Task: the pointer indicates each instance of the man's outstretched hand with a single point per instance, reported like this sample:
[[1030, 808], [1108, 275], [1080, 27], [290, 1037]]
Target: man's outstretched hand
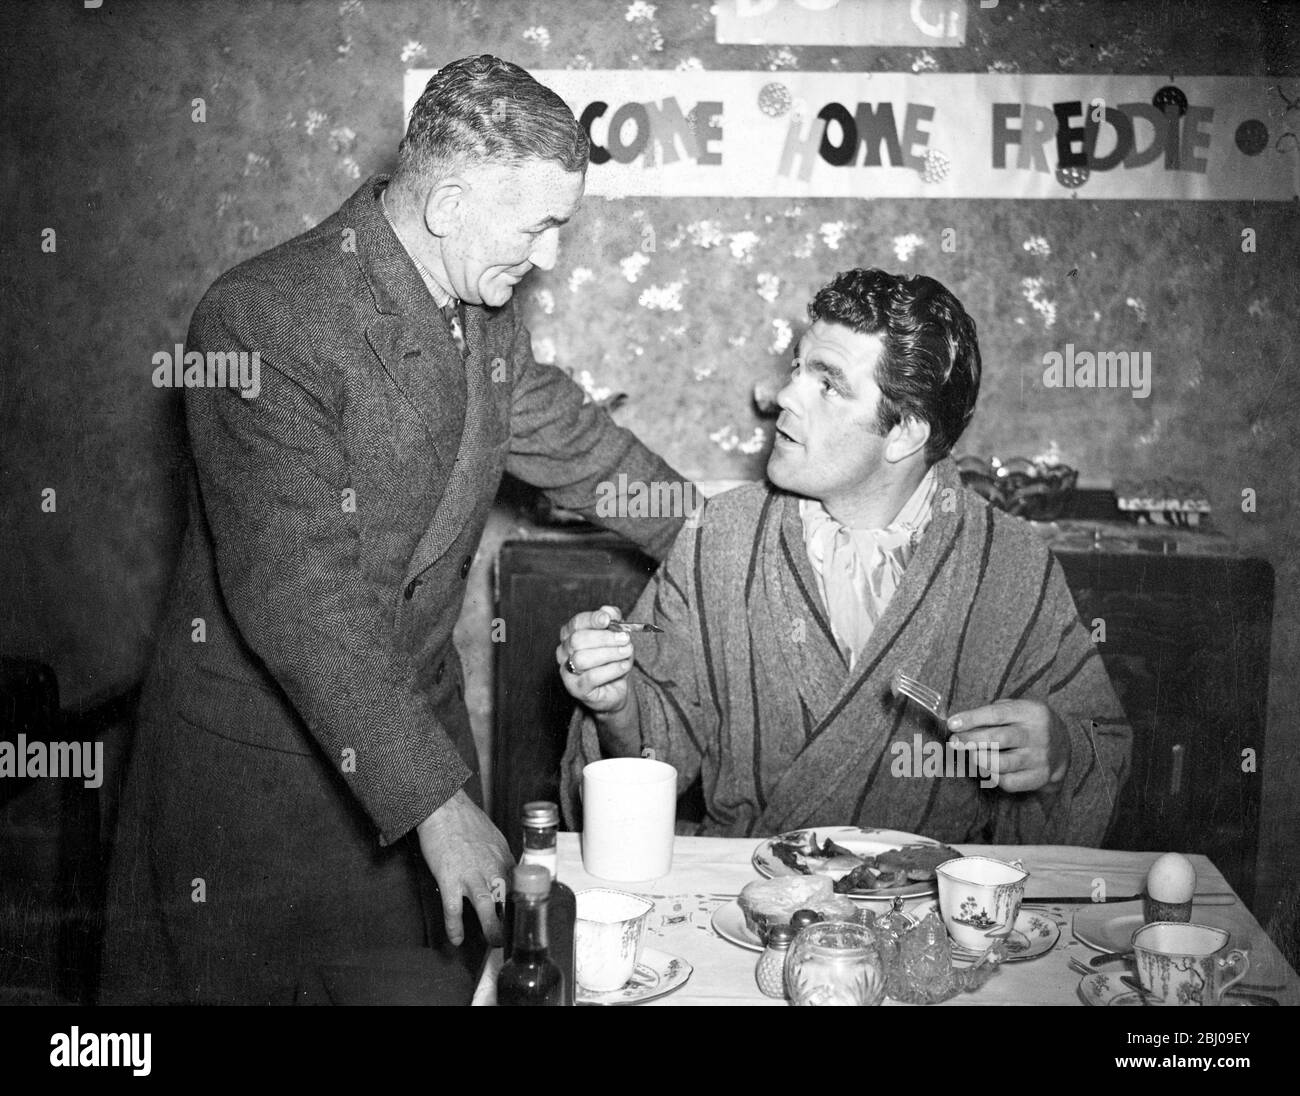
[[470, 860]]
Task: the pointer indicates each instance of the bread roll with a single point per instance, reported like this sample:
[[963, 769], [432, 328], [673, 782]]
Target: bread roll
[[768, 902], [837, 908]]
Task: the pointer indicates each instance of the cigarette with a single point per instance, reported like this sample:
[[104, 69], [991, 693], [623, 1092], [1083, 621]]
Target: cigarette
[[632, 626]]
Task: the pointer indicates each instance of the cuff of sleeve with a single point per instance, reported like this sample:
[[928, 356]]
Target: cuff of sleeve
[[1057, 805], [393, 827]]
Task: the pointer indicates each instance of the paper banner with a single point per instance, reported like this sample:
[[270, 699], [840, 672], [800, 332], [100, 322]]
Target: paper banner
[[893, 135]]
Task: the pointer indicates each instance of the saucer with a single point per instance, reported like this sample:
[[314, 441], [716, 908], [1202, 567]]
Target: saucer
[[1107, 989], [1035, 933], [657, 974]]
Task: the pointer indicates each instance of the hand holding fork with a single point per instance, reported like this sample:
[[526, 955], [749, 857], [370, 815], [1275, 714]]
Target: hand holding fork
[[1032, 742]]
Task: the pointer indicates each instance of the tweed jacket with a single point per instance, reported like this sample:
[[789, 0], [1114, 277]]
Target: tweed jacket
[[748, 688], [333, 518]]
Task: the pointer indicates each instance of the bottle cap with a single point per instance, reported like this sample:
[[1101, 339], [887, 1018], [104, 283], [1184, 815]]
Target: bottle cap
[[541, 813], [532, 881], [780, 936]]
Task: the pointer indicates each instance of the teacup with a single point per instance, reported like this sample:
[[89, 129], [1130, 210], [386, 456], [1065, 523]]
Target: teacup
[[607, 937], [979, 898], [1186, 964]]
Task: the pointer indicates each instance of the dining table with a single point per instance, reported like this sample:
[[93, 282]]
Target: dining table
[[708, 872]]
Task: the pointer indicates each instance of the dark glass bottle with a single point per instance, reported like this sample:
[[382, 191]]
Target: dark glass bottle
[[541, 830], [529, 977]]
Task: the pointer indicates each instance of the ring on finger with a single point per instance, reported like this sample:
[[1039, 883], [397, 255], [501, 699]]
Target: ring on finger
[[568, 665]]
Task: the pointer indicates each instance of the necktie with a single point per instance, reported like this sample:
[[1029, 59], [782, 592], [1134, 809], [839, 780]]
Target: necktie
[[451, 313]]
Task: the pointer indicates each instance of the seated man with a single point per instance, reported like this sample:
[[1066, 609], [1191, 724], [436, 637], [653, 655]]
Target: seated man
[[786, 607]]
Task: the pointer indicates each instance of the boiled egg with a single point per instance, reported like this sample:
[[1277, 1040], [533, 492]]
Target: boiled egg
[[1171, 879]]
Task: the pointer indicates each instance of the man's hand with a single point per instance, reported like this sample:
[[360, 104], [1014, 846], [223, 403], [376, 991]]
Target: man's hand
[[1033, 743], [468, 857], [595, 663]]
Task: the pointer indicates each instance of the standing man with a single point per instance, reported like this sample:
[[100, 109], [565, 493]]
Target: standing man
[[304, 760]]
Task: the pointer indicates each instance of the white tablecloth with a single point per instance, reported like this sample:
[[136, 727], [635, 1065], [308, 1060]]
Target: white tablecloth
[[707, 871]]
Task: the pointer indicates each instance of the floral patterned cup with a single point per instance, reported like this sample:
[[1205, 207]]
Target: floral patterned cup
[[1182, 964], [607, 937], [979, 898]]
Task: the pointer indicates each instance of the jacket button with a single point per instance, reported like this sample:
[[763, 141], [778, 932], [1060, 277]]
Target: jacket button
[[464, 567], [412, 586]]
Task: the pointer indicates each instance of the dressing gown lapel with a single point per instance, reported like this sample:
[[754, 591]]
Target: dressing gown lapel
[[815, 664], [852, 734]]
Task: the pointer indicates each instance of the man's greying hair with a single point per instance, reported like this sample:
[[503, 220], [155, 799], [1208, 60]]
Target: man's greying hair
[[930, 364], [483, 108]]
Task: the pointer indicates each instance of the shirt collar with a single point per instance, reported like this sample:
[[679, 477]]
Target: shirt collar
[[440, 296], [911, 519]]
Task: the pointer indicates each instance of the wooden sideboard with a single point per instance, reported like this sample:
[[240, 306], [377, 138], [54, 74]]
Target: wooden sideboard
[[1187, 637]]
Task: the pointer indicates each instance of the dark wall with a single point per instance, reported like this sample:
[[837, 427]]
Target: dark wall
[[303, 100]]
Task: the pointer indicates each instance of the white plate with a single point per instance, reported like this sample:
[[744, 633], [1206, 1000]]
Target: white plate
[[1035, 933], [1107, 989], [729, 923], [1108, 926], [656, 974], [858, 840]]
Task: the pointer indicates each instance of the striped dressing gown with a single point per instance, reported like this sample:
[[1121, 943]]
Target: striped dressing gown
[[748, 689]]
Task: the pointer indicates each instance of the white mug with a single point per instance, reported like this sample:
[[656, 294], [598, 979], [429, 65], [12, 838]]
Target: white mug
[[629, 811]]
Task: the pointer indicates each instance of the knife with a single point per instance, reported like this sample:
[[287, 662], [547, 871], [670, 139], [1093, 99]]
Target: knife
[[1210, 898]]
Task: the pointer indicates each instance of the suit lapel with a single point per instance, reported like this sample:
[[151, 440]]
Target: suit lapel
[[422, 363], [465, 485], [457, 402]]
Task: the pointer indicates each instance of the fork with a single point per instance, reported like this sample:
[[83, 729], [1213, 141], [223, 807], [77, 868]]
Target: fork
[[1079, 967], [928, 698]]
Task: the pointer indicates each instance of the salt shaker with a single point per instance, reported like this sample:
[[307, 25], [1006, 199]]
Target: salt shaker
[[769, 973]]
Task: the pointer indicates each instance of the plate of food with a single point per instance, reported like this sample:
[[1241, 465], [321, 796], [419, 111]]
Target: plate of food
[[767, 902], [865, 864], [729, 923]]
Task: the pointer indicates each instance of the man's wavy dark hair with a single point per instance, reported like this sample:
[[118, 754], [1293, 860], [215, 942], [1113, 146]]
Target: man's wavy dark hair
[[930, 365], [483, 108]]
